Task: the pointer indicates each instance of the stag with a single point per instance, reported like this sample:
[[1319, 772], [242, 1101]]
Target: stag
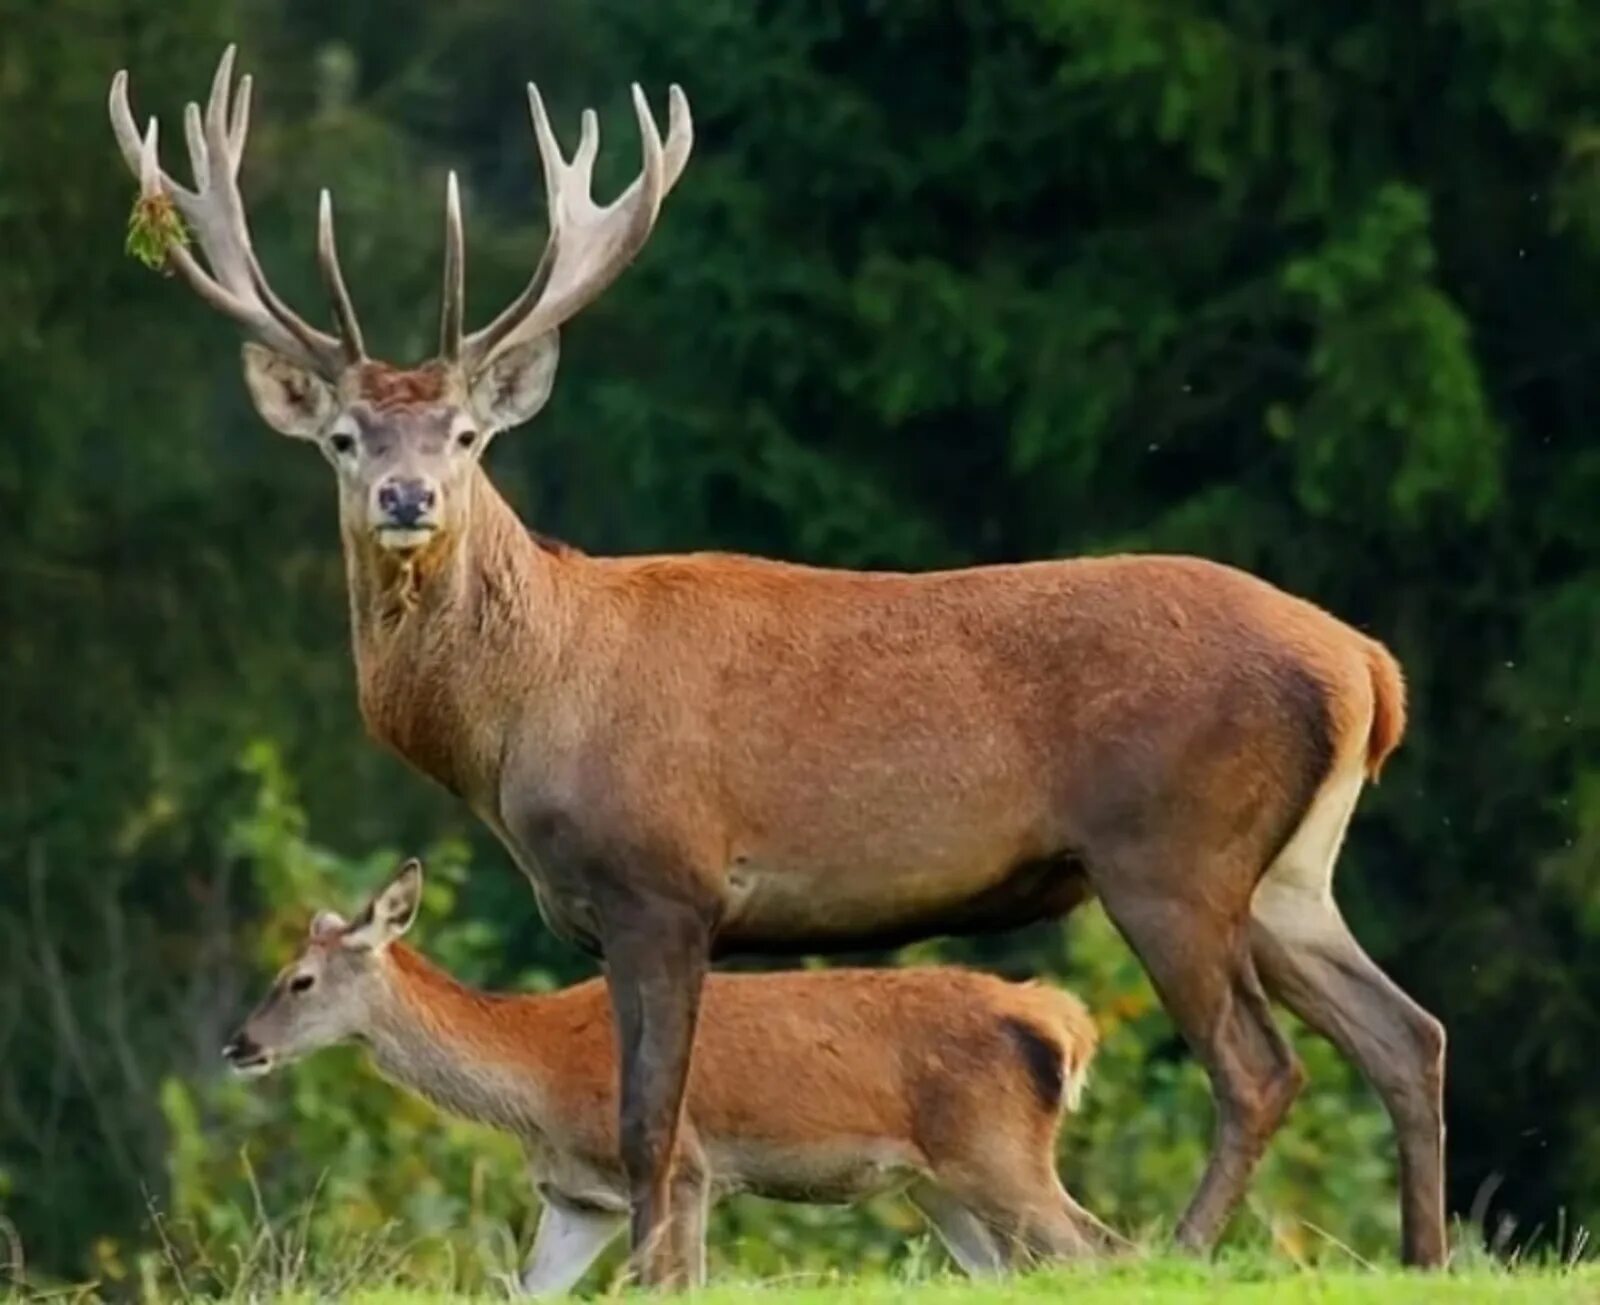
[[690, 755]]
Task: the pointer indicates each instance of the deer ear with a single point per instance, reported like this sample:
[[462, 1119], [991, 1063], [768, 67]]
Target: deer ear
[[327, 924], [290, 399], [391, 912], [515, 383]]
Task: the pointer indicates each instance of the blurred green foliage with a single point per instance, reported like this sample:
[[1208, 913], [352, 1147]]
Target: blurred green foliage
[[1308, 287]]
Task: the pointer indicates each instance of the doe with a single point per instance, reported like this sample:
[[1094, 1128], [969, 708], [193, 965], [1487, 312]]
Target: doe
[[821, 1086]]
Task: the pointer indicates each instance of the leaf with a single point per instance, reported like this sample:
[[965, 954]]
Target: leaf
[[155, 228]]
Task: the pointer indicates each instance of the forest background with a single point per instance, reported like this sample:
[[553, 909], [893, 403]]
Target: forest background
[[1313, 288]]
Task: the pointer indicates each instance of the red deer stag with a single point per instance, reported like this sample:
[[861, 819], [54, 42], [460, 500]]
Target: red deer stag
[[822, 1086], [694, 754]]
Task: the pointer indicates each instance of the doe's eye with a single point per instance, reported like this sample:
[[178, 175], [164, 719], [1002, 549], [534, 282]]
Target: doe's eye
[[301, 983], [341, 442], [466, 439]]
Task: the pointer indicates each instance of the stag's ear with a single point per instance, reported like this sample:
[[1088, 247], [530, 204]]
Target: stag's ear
[[290, 399], [391, 912], [515, 383]]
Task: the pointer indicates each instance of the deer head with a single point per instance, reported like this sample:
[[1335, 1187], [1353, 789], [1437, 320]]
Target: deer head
[[401, 440], [330, 991]]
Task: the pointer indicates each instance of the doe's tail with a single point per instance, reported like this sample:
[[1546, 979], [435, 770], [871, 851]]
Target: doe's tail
[[1056, 1020]]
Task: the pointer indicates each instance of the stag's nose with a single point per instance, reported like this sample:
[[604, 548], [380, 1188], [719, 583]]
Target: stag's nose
[[405, 502], [240, 1047]]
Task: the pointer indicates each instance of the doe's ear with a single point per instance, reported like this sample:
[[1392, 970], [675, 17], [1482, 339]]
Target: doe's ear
[[391, 912], [515, 383], [290, 399], [326, 925]]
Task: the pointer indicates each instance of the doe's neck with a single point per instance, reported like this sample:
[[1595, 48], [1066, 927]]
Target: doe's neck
[[474, 1054]]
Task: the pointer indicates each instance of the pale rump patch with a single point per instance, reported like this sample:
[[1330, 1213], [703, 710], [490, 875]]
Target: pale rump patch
[[1294, 899]]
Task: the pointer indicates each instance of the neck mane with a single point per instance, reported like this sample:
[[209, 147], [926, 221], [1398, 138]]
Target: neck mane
[[443, 636], [474, 1054]]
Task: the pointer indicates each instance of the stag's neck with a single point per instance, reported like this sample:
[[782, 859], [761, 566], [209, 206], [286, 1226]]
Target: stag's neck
[[473, 1054], [458, 643]]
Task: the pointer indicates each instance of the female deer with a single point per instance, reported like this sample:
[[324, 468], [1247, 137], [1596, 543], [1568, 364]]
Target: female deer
[[820, 1086]]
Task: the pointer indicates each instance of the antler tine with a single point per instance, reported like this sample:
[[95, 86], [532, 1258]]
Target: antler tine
[[355, 348], [232, 281], [149, 161], [452, 310], [680, 136], [582, 166], [239, 124], [199, 155], [589, 245]]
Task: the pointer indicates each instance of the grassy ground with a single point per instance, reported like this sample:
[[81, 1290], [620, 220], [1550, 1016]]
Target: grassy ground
[[1156, 1283]]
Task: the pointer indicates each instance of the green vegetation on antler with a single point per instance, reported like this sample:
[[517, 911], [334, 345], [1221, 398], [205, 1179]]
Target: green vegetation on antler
[[155, 229]]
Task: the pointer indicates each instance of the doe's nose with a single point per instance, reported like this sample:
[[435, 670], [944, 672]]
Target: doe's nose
[[405, 501], [240, 1047]]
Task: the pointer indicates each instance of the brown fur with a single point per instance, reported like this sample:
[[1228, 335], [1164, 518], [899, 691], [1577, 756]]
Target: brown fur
[[974, 707], [821, 1086], [917, 1057], [1388, 707], [387, 388]]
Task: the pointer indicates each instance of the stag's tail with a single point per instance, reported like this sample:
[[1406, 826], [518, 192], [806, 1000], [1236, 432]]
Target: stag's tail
[[1388, 706]]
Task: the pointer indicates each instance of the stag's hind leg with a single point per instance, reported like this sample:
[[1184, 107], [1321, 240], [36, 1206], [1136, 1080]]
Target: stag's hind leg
[[1190, 930], [1311, 962]]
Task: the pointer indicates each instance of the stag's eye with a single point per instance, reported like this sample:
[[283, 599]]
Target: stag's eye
[[301, 983], [466, 439], [341, 442]]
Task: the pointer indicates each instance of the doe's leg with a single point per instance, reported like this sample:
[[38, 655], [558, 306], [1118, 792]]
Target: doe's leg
[[691, 1199], [569, 1240], [972, 1243]]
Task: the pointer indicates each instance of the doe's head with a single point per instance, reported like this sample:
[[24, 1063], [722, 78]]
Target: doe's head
[[402, 440], [331, 990]]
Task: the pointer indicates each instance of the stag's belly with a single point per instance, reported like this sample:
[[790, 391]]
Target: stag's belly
[[785, 908], [923, 829]]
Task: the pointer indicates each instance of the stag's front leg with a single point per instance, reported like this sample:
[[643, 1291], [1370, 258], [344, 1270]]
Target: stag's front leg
[[656, 955]]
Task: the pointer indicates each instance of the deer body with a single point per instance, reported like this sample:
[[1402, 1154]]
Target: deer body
[[694, 754], [822, 1087], [899, 747]]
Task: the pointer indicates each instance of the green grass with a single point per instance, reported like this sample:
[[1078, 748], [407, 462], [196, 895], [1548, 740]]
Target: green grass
[[1160, 1282]]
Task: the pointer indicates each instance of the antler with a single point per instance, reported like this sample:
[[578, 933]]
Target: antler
[[588, 246], [214, 212]]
